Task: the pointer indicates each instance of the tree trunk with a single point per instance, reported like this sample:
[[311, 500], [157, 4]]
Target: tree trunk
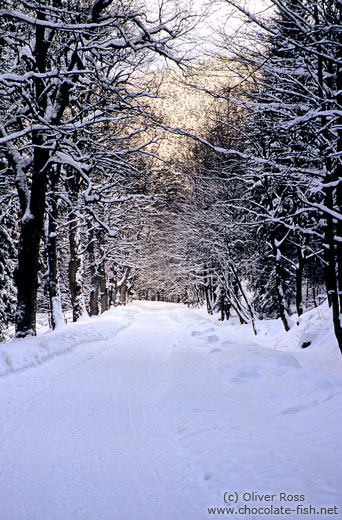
[[332, 252], [299, 281], [337, 301], [283, 312], [104, 292], [222, 306], [26, 272], [123, 292], [244, 296], [33, 206], [75, 270], [53, 287], [94, 291], [208, 300]]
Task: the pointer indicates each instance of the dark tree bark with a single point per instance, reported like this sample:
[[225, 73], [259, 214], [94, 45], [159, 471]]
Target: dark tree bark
[[75, 270], [33, 207], [104, 292], [337, 301], [26, 273], [94, 291], [299, 280], [279, 287], [332, 188], [53, 288]]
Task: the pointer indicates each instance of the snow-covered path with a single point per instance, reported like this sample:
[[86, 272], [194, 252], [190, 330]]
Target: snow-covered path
[[161, 419]]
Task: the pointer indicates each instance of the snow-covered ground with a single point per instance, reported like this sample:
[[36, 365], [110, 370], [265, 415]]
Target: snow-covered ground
[[159, 412]]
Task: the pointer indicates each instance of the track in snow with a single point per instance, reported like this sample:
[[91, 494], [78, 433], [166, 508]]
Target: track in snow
[[156, 423]]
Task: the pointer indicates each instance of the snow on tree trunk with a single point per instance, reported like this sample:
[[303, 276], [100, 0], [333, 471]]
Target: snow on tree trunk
[[26, 273], [337, 301], [53, 286], [299, 281], [103, 288], [76, 270], [94, 290], [279, 288]]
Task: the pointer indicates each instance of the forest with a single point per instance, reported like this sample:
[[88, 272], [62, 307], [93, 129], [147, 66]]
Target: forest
[[134, 165]]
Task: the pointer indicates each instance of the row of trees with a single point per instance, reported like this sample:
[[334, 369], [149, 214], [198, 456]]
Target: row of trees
[[246, 219], [272, 177], [294, 109], [74, 115], [260, 230]]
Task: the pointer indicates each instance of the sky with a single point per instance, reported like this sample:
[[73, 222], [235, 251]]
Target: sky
[[215, 17], [221, 19]]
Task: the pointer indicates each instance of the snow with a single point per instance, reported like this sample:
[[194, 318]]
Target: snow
[[24, 353], [159, 412], [57, 311]]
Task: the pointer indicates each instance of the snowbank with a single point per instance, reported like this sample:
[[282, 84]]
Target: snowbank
[[18, 354], [312, 337]]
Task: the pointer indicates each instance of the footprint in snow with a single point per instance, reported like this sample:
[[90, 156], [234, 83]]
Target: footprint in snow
[[298, 408], [214, 350], [201, 332], [245, 376], [212, 339], [223, 369]]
